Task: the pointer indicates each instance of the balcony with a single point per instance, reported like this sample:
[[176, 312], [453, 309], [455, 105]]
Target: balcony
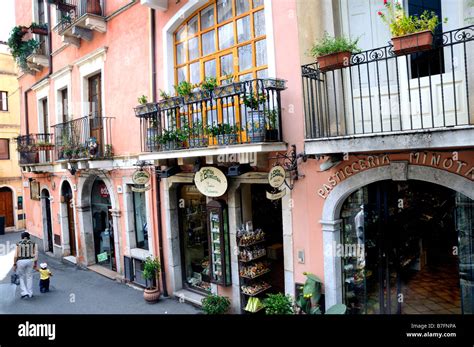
[[79, 18], [84, 139], [36, 152], [384, 101], [232, 118]]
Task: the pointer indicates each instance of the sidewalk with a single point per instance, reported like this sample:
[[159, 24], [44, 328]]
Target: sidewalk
[[75, 291]]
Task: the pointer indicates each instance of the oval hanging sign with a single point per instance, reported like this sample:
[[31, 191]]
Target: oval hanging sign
[[140, 177], [276, 176], [210, 181]]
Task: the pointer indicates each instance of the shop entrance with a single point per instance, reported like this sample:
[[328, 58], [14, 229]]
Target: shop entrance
[[6, 206], [66, 194], [102, 225], [408, 249]]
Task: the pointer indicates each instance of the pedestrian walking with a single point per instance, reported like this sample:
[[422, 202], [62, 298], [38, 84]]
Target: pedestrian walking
[[45, 275], [24, 261]]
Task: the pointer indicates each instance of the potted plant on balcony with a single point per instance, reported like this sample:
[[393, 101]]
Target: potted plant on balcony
[[256, 117], [197, 135], [226, 134], [185, 90], [151, 272], [271, 133], [40, 29], [168, 102], [20, 49], [228, 87], [334, 52], [145, 109], [171, 140], [43, 146], [410, 34]]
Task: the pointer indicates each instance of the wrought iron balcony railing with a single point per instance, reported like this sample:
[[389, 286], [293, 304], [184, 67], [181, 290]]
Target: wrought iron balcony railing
[[380, 92], [35, 148], [88, 137], [235, 113], [71, 10]]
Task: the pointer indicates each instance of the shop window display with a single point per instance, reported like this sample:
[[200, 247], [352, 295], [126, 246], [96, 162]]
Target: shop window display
[[194, 239]]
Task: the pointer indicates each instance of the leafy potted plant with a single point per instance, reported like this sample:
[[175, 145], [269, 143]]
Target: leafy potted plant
[[185, 90], [271, 133], [20, 49], [409, 33], [197, 132], [229, 87], [151, 271], [256, 117], [145, 109], [334, 52], [308, 300], [226, 134], [168, 102], [278, 304], [205, 93], [215, 304], [171, 140], [40, 29], [43, 145]]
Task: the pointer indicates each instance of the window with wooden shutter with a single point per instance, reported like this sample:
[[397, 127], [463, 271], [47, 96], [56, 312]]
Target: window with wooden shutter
[[4, 149], [3, 101]]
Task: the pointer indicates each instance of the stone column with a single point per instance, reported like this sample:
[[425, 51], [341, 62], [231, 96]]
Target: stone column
[[86, 234], [332, 262]]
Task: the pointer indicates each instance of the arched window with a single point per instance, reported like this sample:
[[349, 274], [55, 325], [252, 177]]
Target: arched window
[[225, 37]]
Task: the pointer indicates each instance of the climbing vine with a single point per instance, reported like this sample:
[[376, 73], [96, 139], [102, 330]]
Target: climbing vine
[[19, 48]]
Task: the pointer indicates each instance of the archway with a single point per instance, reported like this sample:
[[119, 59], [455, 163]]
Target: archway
[[90, 243], [47, 225], [331, 217], [6, 206], [67, 220]]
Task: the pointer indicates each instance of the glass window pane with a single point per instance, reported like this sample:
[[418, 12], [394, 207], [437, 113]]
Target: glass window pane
[[224, 10], [246, 77], [193, 48], [261, 47], [226, 36], [207, 17], [180, 34], [259, 23], [242, 6], [257, 3], [211, 117], [208, 43], [182, 74], [141, 230], [245, 57], [243, 29], [193, 26], [194, 71], [227, 65], [262, 73], [210, 68], [180, 54]]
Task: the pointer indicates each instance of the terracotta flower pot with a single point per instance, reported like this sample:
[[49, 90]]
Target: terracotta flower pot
[[152, 295], [412, 43], [334, 61]]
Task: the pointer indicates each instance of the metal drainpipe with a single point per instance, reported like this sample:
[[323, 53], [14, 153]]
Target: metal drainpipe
[[157, 169], [50, 71]]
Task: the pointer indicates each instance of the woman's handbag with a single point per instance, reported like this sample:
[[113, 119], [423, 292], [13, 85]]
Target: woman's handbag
[[15, 279]]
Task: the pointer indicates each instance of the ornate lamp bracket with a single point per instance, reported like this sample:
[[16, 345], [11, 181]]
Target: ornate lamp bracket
[[290, 161]]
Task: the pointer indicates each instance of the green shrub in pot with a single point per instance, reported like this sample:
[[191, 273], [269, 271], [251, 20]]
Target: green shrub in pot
[[215, 304], [278, 304]]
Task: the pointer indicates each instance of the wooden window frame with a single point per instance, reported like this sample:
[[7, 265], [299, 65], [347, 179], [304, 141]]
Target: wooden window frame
[[7, 155]]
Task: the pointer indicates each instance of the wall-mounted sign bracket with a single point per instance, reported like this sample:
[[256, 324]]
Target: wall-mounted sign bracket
[[290, 161]]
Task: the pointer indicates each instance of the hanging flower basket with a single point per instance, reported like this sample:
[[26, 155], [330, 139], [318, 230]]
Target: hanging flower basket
[[334, 61], [411, 43], [147, 110]]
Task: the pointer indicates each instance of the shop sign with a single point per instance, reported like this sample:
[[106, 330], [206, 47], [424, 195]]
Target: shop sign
[[103, 191], [210, 181], [436, 160], [276, 195], [102, 257], [140, 177], [276, 176], [140, 188]]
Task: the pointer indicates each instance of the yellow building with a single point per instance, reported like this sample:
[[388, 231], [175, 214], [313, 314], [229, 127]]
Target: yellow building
[[11, 199]]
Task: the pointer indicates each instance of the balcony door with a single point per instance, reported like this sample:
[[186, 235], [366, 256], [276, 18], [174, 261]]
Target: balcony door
[[44, 155], [95, 111], [402, 93]]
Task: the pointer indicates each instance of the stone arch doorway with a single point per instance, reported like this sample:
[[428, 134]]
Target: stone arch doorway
[[332, 222], [6, 206], [47, 225], [98, 221], [67, 220]]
